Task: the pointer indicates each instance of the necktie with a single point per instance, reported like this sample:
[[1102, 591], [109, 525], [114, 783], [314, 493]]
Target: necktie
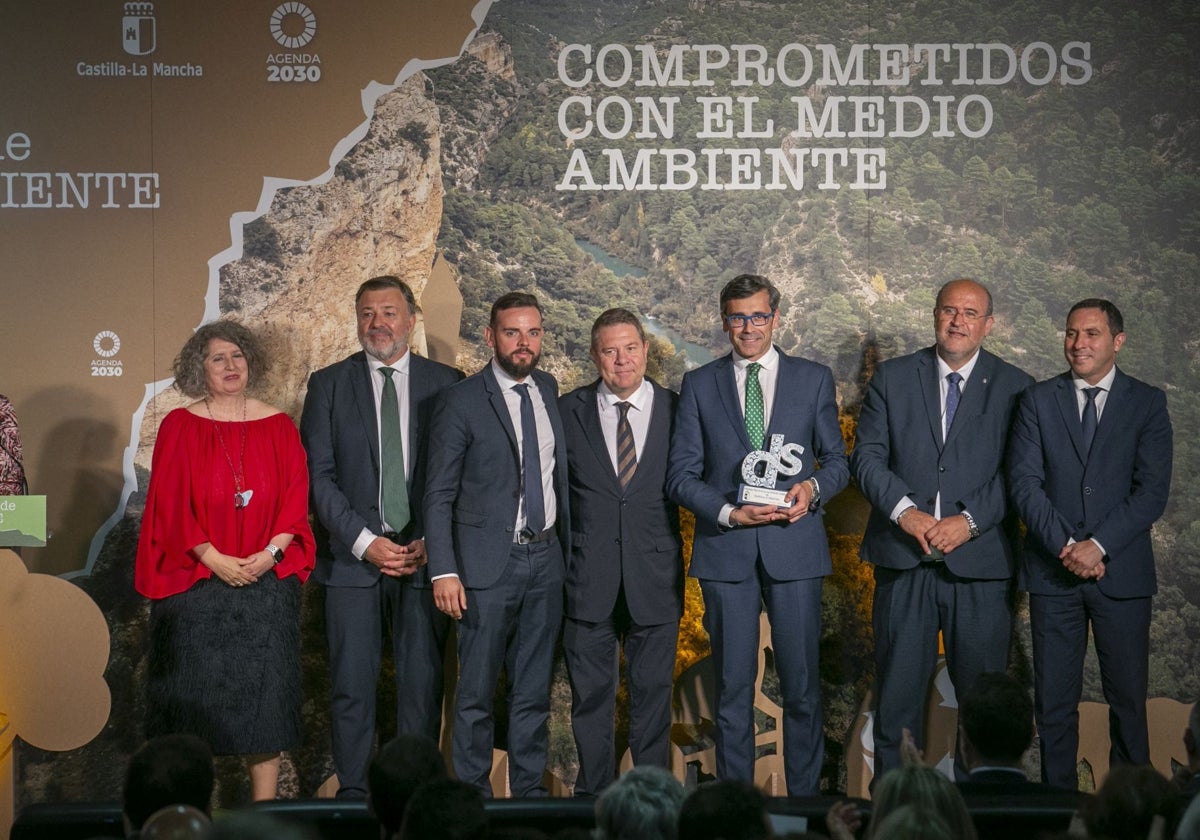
[[395, 489], [531, 466], [1090, 420], [756, 426], [952, 396], [626, 452]]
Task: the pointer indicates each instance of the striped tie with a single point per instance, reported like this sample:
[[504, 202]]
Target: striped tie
[[626, 452]]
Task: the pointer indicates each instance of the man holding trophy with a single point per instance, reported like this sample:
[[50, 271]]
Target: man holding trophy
[[751, 429]]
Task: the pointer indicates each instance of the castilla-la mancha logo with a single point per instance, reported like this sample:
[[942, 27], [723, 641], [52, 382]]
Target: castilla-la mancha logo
[[138, 28]]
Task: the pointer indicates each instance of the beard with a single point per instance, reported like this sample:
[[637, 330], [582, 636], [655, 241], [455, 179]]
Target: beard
[[382, 352], [515, 369]]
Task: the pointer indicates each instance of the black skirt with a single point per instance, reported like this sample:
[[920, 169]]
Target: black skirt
[[225, 665]]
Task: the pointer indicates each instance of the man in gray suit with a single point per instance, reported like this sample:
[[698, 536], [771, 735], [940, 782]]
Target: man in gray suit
[[364, 426], [496, 515], [625, 578], [929, 457]]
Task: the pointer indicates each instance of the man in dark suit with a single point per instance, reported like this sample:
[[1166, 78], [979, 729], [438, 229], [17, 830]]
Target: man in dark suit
[[748, 554], [1090, 470], [625, 566], [496, 515], [929, 457], [995, 729], [364, 426]]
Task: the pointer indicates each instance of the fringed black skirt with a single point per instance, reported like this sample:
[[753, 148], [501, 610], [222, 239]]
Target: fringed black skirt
[[225, 665]]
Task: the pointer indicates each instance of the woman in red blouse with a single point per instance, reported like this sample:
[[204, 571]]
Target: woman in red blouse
[[224, 546]]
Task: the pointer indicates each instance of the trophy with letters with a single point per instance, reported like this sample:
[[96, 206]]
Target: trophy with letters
[[761, 470]]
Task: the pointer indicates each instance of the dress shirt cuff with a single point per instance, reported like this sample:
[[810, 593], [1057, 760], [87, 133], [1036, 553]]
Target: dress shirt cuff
[[1099, 546], [365, 538], [723, 517], [904, 504], [441, 577]]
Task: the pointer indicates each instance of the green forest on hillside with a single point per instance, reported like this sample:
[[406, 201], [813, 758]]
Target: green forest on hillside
[[1076, 191]]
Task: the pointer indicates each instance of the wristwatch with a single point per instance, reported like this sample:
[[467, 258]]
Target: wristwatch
[[972, 528], [275, 551]]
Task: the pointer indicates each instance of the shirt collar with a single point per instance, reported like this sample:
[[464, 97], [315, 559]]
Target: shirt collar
[[400, 365], [507, 382], [1105, 383], [637, 399], [965, 371], [768, 360]]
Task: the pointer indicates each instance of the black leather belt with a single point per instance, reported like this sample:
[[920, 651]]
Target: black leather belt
[[527, 537]]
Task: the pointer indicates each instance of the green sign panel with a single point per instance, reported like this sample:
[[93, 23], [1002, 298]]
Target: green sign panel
[[22, 520]]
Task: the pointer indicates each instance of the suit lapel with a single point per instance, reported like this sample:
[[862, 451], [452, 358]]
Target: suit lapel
[[364, 399], [496, 399], [418, 390], [587, 412], [728, 394], [1069, 409], [974, 394], [658, 438], [785, 387], [930, 387], [1116, 404]]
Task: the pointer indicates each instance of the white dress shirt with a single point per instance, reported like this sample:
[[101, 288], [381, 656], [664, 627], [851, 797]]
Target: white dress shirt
[[641, 404]]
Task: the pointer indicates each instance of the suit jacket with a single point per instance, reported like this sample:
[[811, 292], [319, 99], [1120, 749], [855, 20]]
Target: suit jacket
[[1002, 782], [340, 431], [705, 468], [1114, 494], [630, 535], [473, 488], [899, 452]]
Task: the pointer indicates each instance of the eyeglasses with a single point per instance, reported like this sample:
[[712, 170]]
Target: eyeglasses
[[950, 312], [758, 319]]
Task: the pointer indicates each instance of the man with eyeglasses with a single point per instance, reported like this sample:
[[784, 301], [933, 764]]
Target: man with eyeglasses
[[748, 555], [929, 457]]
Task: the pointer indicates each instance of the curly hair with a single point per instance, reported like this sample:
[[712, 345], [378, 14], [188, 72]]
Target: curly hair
[[189, 364]]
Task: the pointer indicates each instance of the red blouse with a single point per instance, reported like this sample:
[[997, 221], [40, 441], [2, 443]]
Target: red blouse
[[190, 499]]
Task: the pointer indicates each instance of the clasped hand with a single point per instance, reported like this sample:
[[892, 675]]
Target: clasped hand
[[747, 516], [945, 535], [395, 560]]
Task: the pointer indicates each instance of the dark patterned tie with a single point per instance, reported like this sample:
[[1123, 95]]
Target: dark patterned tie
[[756, 426], [952, 396], [531, 466], [1090, 418], [626, 451], [396, 512]]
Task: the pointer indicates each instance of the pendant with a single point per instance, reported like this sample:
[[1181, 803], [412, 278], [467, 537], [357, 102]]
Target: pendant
[[240, 500]]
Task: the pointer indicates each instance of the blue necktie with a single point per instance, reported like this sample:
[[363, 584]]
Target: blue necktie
[[531, 466], [952, 397], [1090, 419]]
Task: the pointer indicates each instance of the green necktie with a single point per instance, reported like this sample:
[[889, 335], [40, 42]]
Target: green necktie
[[756, 427], [395, 488]]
